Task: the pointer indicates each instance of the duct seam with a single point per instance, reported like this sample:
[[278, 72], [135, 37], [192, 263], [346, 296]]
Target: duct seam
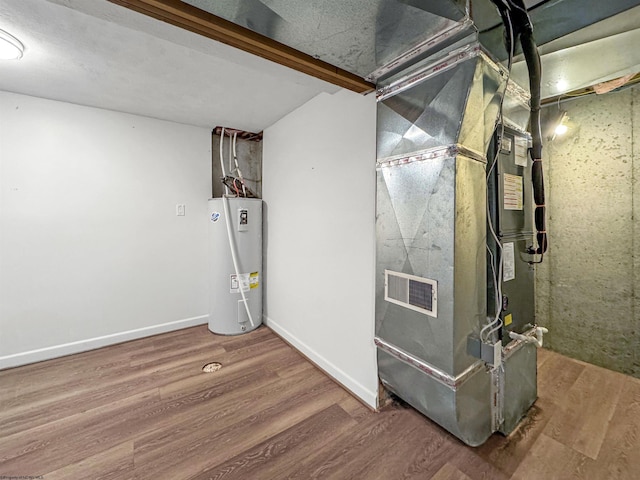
[[454, 57], [514, 126], [447, 151], [497, 394], [419, 49], [471, 153], [442, 65], [438, 375], [514, 90]]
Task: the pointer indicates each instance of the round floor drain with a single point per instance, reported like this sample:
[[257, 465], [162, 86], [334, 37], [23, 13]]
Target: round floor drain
[[212, 367]]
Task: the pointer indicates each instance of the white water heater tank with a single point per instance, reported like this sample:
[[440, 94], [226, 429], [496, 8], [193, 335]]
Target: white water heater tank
[[227, 311]]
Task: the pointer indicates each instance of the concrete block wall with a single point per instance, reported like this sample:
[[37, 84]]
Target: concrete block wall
[[587, 286]]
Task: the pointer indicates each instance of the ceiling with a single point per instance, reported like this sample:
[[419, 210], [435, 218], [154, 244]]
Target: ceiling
[[100, 54], [596, 53], [356, 35]]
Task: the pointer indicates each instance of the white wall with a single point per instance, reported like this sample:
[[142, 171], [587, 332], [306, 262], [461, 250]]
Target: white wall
[[319, 193], [91, 250]]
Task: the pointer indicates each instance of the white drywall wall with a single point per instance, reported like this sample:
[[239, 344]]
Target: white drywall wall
[[91, 249], [319, 193]]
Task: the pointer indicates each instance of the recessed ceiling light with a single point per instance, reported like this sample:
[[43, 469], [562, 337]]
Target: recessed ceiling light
[[10, 47]]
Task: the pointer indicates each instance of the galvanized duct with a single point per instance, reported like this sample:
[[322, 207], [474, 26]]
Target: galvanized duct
[[435, 122]]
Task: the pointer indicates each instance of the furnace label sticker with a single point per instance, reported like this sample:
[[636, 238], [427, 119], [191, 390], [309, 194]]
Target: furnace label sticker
[[239, 282], [508, 319], [520, 153], [508, 262], [505, 145], [513, 192], [254, 280], [215, 216]]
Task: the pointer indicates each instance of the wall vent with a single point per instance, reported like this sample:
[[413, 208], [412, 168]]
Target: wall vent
[[417, 293]]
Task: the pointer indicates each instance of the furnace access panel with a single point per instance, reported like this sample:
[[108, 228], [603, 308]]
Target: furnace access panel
[[510, 196]]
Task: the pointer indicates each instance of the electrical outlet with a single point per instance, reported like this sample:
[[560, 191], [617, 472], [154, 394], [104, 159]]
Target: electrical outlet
[[180, 209]]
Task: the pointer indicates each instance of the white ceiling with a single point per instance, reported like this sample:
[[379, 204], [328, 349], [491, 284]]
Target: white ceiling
[[92, 52]]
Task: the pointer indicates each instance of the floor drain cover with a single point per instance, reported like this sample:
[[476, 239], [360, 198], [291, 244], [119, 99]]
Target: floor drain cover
[[212, 367]]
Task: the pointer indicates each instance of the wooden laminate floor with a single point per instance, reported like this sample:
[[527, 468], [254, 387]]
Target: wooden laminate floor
[[145, 410]]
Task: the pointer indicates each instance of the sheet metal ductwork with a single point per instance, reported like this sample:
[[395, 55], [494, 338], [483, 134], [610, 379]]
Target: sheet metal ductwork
[[436, 122], [375, 38], [440, 93]]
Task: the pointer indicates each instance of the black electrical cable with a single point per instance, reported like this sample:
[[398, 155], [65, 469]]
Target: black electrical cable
[[535, 71], [532, 9]]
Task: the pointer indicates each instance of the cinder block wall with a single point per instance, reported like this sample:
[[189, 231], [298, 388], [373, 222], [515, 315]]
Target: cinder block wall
[[587, 286]]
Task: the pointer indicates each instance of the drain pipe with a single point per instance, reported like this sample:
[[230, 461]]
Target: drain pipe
[[234, 257], [232, 245], [235, 160], [537, 340], [224, 174]]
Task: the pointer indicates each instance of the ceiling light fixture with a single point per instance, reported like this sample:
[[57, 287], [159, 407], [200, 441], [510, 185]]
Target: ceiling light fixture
[[556, 124], [10, 47], [561, 129]]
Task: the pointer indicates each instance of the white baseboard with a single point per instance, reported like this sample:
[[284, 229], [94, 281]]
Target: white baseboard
[[367, 396], [55, 351]]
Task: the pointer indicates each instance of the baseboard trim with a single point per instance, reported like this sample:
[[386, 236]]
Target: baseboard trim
[[368, 397], [55, 351]]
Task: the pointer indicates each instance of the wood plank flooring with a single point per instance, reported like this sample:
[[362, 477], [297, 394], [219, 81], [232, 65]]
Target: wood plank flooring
[[145, 410]]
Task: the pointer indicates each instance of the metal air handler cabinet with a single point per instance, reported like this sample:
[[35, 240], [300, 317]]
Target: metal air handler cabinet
[[227, 312], [436, 123]]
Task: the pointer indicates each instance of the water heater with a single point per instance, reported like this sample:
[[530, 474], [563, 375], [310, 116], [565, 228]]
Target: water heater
[[235, 265]]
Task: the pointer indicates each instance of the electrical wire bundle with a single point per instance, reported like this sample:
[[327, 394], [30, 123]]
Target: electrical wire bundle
[[236, 185]]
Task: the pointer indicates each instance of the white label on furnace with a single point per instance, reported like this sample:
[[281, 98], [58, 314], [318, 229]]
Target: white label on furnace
[[244, 283], [520, 153], [508, 262], [512, 192], [505, 145]]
